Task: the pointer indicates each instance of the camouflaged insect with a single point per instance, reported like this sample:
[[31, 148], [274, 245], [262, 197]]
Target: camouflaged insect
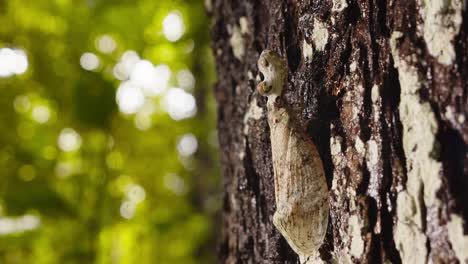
[[301, 191]]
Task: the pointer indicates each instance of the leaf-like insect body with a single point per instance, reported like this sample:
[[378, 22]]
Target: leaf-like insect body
[[301, 191]]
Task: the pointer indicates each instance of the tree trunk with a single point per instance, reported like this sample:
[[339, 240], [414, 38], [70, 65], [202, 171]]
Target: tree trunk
[[381, 87]]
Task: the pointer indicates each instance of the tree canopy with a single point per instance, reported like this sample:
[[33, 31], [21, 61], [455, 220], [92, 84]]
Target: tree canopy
[[107, 138]]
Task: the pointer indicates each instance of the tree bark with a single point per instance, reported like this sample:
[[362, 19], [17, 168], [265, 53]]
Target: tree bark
[[381, 87]]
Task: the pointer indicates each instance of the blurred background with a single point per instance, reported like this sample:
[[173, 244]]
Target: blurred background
[[108, 148]]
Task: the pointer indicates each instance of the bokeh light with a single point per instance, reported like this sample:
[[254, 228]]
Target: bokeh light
[[19, 224], [41, 113], [69, 140], [152, 80], [89, 61], [129, 98], [126, 64], [180, 104], [187, 145], [185, 79], [12, 61], [106, 44], [127, 209], [107, 116], [173, 26], [135, 193]]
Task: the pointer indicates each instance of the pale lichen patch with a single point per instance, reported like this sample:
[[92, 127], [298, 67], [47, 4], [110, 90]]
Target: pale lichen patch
[[393, 43], [411, 250], [319, 35], [339, 5], [375, 94], [449, 113], [244, 25], [376, 103], [237, 42], [337, 157], [334, 185], [372, 153], [242, 152], [208, 5], [409, 225], [351, 193], [250, 75], [419, 129], [238, 89], [352, 66], [233, 200], [442, 20], [357, 243], [335, 145], [307, 50], [372, 160], [423, 175], [359, 146], [254, 112], [457, 239]]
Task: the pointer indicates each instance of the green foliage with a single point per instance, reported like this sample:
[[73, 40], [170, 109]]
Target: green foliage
[[82, 179]]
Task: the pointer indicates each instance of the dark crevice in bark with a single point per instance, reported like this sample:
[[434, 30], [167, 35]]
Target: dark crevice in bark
[[390, 93], [365, 120], [453, 153], [321, 135], [375, 254], [293, 50], [374, 249], [384, 31], [353, 13], [391, 253], [364, 183], [391, 150], [461, 62], [253, 179]]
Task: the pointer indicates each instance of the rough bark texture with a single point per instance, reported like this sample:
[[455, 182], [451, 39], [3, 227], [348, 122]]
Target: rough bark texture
[[382, 89]]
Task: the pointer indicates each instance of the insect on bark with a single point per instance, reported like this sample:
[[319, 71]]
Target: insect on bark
[[301, 191]]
